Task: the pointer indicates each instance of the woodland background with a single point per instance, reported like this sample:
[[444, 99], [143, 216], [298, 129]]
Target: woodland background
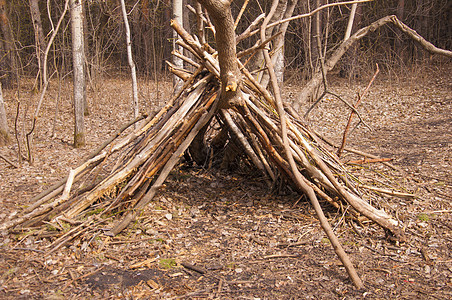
[[106, 53]]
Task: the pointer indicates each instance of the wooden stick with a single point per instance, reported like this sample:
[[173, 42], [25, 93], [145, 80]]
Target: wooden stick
[[140, 158], [243, 141], [8, 161], [67, 187], [296, 174], [388, 192], [184, 58], [360, 97], [237, 20], [164, 173], [367, 161]]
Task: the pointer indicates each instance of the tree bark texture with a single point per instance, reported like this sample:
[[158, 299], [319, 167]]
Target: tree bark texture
[[131, 63], [78, 71], [178, 16], [39, 36], [350, 67], [4, 132], [220, 12], [9, 68], [284, 10]]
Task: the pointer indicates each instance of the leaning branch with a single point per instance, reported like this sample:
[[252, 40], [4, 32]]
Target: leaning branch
[[316, 79], [298, 178]]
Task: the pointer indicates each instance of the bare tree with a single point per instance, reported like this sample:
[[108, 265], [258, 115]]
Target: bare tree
[[9, 57], [131, 63], [39, 37], [284, 9], [178, 62], [78, 55]]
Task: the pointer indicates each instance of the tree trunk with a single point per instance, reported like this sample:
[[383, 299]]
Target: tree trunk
[[4, 132], [283, 10], [178, 62], [317, 29], [130, 59], [39, 37], [278, 57], [351, 60], [398, 41], [86, 57], [9, 68], [78, 71], [220, 13]]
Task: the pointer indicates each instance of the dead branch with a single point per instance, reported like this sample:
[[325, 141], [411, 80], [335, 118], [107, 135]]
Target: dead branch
[[360, 97], [418, 38], [8, 161], [300, 180], [366, 161], [316, 79]]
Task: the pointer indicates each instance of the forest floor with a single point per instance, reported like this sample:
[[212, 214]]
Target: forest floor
[[216, 234]]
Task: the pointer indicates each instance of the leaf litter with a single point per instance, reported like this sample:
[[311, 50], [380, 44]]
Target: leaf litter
[[224, 234]]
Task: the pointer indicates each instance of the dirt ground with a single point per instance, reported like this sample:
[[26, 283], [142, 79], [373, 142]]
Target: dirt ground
[[214, 234]]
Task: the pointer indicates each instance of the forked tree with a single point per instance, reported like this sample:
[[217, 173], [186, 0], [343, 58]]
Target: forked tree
[[220, 104]]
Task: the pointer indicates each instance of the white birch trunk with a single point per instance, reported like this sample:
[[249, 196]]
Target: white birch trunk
[[131, 63], [178, 16], [348, 32], [78, 57]]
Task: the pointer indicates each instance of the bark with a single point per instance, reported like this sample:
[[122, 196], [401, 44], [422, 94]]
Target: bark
[[4, 132], [277, 45], [339, 52], [200, 23], [78, 71], [316, 29], [10, 67], [39, 37], [351, 19], [351, 59], [86, 57], [130, 59], [220, 12], [278, 57], [283, 11], [177, 16]]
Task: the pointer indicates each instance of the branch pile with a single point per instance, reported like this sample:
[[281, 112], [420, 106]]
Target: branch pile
[[124, 175], [143, 159]]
